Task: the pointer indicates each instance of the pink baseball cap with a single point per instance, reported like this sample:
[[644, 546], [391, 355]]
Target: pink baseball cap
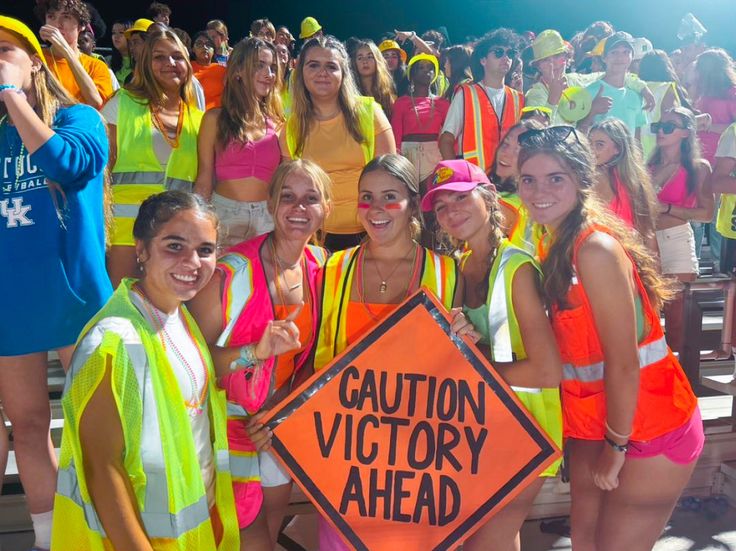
[[454, 175]]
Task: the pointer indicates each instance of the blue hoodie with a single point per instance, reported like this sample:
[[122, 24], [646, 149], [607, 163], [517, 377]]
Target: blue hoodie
[[52, 233]]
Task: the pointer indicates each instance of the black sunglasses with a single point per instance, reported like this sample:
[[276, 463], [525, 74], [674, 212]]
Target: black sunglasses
[[667, 127], [511, 53], [554, 134]]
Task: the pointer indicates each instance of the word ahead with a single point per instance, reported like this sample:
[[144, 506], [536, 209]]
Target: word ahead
[[409, 438]]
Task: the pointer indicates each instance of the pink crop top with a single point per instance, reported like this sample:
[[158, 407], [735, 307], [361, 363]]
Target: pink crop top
[[257, 159], [675, 192]]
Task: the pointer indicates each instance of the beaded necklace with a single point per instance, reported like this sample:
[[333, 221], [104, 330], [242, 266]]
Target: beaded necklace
[[158, 123], [153, 315], [21, 151]]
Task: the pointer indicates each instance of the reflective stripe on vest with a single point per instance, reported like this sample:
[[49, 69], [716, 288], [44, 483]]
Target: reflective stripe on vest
[[137, 168], [156, 524], [168, 510], [244, 466], [236, 410], [242, 280], [482, 126], [649, 354], [151, 179], [439, 275]]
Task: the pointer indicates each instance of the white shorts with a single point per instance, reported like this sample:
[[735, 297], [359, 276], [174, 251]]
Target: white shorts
[[677, 250], [240, 220], [423, 155], [272, 473]]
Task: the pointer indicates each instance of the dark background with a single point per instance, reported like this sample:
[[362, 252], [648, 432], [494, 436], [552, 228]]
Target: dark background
[[656, 19]]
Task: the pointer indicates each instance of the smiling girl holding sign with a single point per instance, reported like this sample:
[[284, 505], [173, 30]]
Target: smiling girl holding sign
[[260, 312], [631, 420], [502, 301], [365, 284]]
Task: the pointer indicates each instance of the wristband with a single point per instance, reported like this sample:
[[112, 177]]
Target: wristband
[[247, 358], [616, 434], [12, 87], [623, 448]]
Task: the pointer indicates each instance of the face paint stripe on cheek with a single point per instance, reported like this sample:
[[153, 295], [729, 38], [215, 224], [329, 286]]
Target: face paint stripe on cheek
[[392, 206], [364, 205]]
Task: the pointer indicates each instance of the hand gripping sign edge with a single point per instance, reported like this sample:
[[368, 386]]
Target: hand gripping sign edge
[[547, 454]]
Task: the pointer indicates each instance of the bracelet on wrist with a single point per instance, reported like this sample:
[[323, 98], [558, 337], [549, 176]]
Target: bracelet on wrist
[[11, 88], [247, 358], [617, 434], [623, 448]]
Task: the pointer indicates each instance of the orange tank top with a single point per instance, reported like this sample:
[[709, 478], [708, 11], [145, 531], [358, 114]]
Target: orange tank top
[[362, 317], [285, 362]]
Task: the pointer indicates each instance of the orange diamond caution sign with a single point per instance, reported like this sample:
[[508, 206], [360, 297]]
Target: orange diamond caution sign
[[409, 439]]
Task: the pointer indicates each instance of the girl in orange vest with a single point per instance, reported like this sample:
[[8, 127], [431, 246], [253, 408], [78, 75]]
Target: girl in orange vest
[[630, 418]]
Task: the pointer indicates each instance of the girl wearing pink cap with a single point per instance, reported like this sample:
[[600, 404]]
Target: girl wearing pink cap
[[501, 299]]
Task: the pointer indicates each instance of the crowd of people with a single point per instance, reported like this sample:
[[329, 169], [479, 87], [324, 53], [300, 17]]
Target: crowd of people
[[195, 226]]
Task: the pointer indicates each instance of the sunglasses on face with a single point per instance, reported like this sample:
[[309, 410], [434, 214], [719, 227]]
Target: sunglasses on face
[[666, 127], [498, 53], [551, 134]]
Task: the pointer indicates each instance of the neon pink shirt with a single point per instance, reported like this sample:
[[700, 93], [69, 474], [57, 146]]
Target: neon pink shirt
[[722, 111], [424, 119], [257, 159], [675, 191]]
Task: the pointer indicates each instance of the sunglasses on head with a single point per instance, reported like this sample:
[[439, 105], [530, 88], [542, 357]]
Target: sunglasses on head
[[511, 53], [554, 134], [666, 127]]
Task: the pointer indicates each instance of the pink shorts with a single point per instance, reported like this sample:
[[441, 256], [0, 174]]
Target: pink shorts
[[682, 445]]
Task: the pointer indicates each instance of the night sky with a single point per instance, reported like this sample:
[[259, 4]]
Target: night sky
[[656, 19]]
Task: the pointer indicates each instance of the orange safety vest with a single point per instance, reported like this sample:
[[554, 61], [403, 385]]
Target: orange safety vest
[[665, 401], [481, 129]]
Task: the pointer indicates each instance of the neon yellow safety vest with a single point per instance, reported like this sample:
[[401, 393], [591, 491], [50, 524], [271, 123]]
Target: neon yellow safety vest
[[137, 173], [726, 220], [525, 234], [366, 115], [160, 457], [506, 343], [439, 275]]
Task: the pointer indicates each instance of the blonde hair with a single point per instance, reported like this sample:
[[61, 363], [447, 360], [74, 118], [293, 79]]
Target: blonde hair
[[314, 172], [382, 83], [243, 113], [49, 93], [302, 109], [218, 26], [144, 84]]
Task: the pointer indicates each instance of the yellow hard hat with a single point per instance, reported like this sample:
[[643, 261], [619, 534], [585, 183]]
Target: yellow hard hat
[[19, 28], [424, 57], [309, 27], [547, 44], [392, 45], [138, 26], [598, 50]]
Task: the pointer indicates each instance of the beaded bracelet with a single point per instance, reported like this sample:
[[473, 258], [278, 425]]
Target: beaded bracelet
[[247, 358]]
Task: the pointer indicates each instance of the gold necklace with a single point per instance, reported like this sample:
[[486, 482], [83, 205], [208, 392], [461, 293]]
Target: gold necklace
[[383, 287]]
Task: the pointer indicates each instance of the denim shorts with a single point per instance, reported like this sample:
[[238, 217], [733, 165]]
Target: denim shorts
[[241, 220]]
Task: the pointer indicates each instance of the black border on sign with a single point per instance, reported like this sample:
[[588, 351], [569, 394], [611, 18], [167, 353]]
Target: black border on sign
[[419, 299]]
